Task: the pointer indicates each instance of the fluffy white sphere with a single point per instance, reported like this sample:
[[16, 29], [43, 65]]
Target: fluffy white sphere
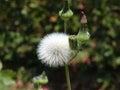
[[54, 50]]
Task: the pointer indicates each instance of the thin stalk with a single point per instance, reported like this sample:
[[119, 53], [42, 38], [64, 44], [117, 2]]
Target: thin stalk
[[66, 65], [67, 77], [65, 27], [39, 87], [69, 3]]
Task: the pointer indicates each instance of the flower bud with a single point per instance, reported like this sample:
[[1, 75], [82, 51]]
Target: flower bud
[[83, 19], [83, 36], [66, 13], [73, 42], [42, 79]]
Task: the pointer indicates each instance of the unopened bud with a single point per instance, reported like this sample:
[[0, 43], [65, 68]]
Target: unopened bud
[[66, 13], [83, 19], [73, 42], [83, 36], [42, 79]]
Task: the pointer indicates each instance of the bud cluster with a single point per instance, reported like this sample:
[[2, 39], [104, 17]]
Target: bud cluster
[[76, 41]]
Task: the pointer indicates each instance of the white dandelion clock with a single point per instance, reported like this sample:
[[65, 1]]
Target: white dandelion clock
[[54, 50]]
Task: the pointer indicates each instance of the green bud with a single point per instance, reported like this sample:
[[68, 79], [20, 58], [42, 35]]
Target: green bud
[[66, 13], [40, 80], [73, 42], [43, 79], [82, 36]]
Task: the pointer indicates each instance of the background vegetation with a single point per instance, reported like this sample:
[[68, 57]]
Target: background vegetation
[[24, 22]]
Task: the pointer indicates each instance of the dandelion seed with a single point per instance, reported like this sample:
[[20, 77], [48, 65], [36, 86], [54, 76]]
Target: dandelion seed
[[54, 50]]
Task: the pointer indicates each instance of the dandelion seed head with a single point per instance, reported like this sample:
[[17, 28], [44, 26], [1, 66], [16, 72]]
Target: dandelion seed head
[[54, 50]]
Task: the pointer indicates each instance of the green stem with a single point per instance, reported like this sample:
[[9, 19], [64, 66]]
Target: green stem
[[65, 27], [75, 54], [69, 3], [39, 87], [66, 65], [67, 77]]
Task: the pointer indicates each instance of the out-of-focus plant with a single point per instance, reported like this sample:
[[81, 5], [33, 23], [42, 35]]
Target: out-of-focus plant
[[56, 49], [40, 81], [6, 79], [22, 23]]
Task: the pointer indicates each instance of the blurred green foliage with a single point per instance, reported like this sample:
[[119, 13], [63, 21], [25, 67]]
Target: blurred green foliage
[[6, 79], [24, 22]]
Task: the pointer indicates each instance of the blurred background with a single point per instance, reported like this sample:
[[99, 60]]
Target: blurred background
[[24, 22]]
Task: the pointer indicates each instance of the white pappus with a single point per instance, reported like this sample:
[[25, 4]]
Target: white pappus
[[54, 50]]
